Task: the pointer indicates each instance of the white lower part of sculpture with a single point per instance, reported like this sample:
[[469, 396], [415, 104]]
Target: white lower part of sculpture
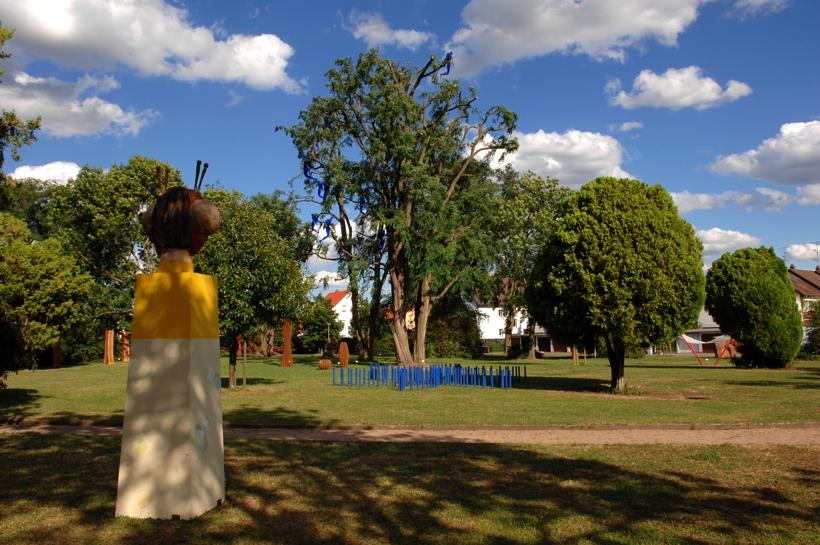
[[172, 460]]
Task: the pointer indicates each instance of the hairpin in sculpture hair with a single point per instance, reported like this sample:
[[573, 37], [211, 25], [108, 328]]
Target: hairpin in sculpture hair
[[182, 218]]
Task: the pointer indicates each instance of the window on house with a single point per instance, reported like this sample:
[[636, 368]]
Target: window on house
[[501, 313], [501, 332], [515, 323]]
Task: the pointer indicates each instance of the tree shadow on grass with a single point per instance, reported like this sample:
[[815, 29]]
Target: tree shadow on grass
[[61, 488], [17, 404], [251, 381], [254, 416], [563, 384]]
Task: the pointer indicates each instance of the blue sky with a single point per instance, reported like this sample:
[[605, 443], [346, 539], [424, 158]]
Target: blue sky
[[716, 100]]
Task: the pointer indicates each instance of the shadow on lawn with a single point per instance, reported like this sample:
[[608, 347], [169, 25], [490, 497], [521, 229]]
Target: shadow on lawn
[[427, 493], [563, 384], [17, 404], [278, 416]]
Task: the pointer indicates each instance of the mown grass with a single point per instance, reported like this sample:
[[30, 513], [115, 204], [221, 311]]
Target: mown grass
[[670, 389], [62, 490]]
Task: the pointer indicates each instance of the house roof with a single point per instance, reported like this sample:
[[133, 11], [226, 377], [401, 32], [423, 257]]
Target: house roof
[[806, 283], [336, 297]]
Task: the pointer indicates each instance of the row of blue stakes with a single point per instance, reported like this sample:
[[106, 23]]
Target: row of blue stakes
[[432, 376]]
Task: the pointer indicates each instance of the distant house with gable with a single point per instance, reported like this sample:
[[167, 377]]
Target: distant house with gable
[[342, 303]]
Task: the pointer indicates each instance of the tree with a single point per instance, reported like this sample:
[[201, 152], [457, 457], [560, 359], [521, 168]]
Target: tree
[[14, 132], [749, 294], [454, 328], [527, 214], [397, 143], [812, 345], [97, 216], [41, 294], [621, 264], [260, 281], [313, 330]]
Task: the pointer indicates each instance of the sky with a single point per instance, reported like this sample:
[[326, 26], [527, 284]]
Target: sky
[[715, 100]]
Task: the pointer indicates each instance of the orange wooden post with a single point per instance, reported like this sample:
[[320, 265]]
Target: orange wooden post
[[287, 355], [344, 355], [126, 346], [108, 351]]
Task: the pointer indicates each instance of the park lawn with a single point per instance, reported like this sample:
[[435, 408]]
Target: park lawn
[[61, 489], [670, 389]]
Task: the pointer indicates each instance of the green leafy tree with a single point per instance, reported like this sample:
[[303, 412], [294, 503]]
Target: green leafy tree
[[749, 294], [97, 216], [28, 200], [396, 143], [260, 280], [454, 329], [14, 133], [41, 294], [312, 332], [621, 264], [527, 213]]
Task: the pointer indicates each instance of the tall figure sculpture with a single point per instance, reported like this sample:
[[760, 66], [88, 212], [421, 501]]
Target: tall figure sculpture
[[172, 459]]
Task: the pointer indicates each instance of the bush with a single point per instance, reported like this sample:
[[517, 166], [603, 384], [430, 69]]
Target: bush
[[749, 294]]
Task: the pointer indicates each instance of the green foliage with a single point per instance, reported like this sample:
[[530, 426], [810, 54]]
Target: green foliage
[[260, 280], [14, 132], [98, 215], [28, 200], [454, 330], [527, 213], [286, 223], [622, 264], [398, 143], [749, 294], [310, 336], [41, 291]]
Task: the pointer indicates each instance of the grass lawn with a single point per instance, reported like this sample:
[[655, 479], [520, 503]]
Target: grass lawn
[[671, 389], [62, 489]]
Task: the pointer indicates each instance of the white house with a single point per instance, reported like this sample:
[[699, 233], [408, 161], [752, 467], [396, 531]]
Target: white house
[[342, 304]]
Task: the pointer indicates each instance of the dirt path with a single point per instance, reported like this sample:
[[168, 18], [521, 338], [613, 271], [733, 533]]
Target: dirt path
[[807, 433]]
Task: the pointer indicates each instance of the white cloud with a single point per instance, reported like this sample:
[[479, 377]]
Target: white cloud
[[574, 157], [149, 36], [755, 7], [375, 32], [496, 33], [716, 241], [676, 89], [792, 157], [628, 126], [772, 201], [58, 171], [333, 281], [809, 194], [71, 109], [236, 98], [802, 252], [775, 200]]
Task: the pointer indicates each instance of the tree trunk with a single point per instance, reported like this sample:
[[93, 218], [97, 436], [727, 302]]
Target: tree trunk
[[511, 312], [398, 281], [533, 347], [244, 364], [234, 346], [616, 352], [423, 306]]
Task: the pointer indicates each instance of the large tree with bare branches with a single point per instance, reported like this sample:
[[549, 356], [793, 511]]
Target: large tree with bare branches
[[395, 152]]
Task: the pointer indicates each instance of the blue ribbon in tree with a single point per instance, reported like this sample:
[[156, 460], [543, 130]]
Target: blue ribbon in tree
[[448, 61]]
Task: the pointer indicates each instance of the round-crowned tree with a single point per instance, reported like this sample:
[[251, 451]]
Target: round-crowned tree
[[621, 264], [749, 294]]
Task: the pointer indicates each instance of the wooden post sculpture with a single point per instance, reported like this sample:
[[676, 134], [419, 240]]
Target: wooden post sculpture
[[126, 346], [344, 354], [287, 354], [108, 350], [172, 461]]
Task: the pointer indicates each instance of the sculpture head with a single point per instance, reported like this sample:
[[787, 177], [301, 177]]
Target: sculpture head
[[181, 219]]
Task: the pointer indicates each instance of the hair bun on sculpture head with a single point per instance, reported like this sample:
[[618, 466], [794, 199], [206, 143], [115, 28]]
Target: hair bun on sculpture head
[[181, 218]]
